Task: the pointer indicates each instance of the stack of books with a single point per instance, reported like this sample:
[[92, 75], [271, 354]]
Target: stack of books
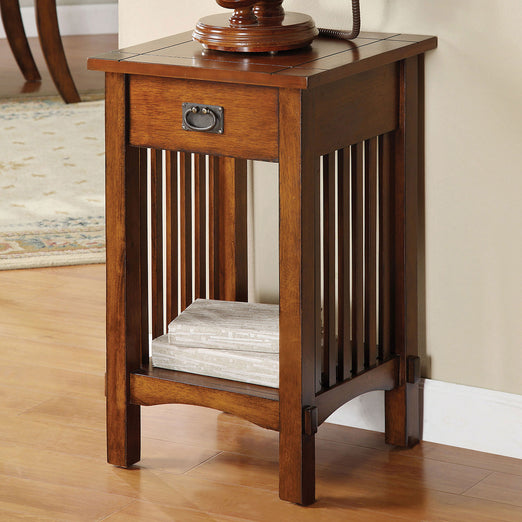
[[225, 339]]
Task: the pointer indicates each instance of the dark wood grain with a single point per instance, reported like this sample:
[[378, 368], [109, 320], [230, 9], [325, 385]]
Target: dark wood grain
[[258, 62], [370, 255], [156, 227], [299, 181], [53, 51], [232, 229], [344, 264], [342, 60], [185, 222], [289, 125], [243, 32], [200, 226], [123, 278], [370, 99], [402, 404], [330, 355], [357, 259], [386, 261], [213, 228], [15, 33], [228, 264], [147, 389], [157, 117], [144, 258], [383, 377], [171, 224]]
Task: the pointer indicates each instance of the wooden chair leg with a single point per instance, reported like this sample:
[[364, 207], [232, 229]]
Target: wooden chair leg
[[14, 30], [52, 47]]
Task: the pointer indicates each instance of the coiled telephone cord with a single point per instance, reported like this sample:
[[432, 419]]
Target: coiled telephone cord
[[346, 35]]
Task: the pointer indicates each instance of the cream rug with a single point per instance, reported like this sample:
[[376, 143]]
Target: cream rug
[[51, 183]]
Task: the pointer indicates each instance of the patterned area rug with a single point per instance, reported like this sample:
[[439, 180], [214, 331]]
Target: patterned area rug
[[51, 183]]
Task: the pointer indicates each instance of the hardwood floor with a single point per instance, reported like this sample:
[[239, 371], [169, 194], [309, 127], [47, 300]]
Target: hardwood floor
[[197, 464], [77, 50]]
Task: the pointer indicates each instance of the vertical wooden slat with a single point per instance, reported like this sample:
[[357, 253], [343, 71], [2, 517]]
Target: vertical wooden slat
[[370, 257], [344, 298], [329, 341], [171, 223], [123, 219], [385, 253], [232, 229], [357, 260], [213, 228], [228, 270], [185, 219], [200, 224], [156, 210], [317, 254], [144, 258]]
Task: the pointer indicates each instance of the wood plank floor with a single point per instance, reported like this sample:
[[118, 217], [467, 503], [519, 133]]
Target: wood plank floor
[[197, 464], [77, 50]]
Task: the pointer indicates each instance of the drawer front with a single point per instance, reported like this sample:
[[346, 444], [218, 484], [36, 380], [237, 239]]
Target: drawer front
[[250, 117]]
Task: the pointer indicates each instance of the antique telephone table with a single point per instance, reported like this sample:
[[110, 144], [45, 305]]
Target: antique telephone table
[[345, 122]]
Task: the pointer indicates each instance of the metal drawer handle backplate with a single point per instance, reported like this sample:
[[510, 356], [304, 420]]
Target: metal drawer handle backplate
[[202, 118]]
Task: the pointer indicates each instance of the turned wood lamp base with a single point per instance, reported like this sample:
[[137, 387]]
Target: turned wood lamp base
[[255, 27]]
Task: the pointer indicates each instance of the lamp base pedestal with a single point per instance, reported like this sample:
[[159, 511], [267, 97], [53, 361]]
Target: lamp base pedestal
[[216, 32]]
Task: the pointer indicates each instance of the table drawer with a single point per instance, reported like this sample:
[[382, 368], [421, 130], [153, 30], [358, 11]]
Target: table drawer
[[250, 125]]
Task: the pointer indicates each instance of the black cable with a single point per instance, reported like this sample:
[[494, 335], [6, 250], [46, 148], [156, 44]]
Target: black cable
[[346, 35]]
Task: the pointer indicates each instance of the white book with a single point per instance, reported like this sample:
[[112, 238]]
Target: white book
[[225, 339], [251, 367], [227, 325]]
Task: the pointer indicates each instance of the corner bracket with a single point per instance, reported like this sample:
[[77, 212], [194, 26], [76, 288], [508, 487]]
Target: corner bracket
[[412, 369], [310, 420]]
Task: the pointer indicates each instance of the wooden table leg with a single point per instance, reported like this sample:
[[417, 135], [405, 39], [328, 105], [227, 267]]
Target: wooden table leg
[[125, 290], [298, 232], [402, 407], [14, 30], [52, 47]]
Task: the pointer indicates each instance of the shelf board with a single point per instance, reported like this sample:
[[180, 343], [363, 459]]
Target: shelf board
[[258, 404]]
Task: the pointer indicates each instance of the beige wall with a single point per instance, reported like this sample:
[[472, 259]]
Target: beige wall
[[473, 172]]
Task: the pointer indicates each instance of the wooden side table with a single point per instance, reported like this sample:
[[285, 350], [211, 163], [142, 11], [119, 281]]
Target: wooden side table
[[344, 121]]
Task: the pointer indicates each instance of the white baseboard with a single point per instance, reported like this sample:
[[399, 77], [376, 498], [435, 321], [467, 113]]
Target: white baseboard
[[456, 415], [76, 19]]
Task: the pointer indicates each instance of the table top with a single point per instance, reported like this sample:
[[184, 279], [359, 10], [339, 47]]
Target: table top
[[326, 60]]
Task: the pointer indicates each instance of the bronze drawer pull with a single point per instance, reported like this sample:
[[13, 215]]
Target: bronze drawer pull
[[196, 118]]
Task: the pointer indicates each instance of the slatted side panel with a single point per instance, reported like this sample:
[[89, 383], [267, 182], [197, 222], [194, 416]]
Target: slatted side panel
[[370, 253], [191, 197], [200, 226], [386, 213], [185, 220], [156, 232], [329, 337], [344, 263], [356, 264], [171, 235]]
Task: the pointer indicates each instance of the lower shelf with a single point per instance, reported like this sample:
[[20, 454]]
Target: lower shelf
[[257, 404]]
